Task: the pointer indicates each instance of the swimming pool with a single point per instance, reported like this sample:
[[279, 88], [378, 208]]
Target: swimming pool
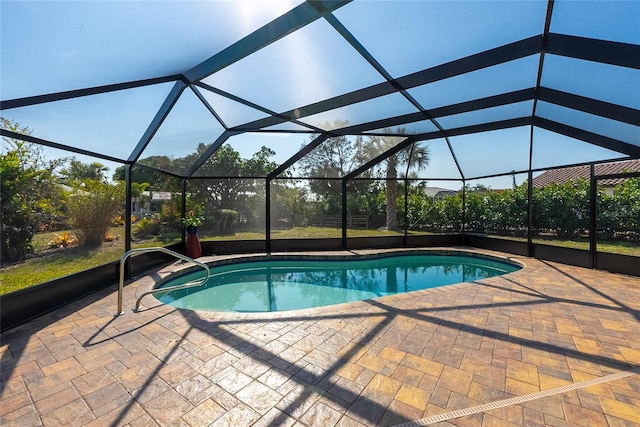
[[290, 284]]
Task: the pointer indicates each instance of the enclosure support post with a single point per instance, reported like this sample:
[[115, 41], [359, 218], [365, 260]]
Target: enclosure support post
[[184, 210], [267, 214], [127, 215], [406, 198], [530, 248], [464, 212], [406, 210], [344, 214], [593, 220]]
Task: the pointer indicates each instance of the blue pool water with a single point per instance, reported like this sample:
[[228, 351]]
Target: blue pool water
[[280, 285]]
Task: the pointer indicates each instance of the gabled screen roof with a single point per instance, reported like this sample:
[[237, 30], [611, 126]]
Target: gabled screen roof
[[495, 87]]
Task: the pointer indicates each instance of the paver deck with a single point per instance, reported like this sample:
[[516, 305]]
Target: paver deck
[[548, 345]]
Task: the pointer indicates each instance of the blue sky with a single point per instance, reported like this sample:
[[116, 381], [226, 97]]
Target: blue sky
[[50, 46]]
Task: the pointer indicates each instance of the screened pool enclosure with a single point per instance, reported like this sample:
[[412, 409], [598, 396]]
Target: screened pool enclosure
[[337, 124]]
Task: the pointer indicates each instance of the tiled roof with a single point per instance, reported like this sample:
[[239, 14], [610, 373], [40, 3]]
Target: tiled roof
[[561, 176]]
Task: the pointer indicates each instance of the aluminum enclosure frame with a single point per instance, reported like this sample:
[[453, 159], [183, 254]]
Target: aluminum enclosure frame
[[613, 53]]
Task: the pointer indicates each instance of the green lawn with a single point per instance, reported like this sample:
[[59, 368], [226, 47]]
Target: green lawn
[[615, 247], [57, 264], [304, 233], [51, 264]]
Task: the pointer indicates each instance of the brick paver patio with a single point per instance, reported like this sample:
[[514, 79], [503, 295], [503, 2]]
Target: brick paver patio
[[547, 345]]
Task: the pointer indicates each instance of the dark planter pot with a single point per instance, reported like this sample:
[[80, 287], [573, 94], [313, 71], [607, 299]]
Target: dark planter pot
[[193, 247]]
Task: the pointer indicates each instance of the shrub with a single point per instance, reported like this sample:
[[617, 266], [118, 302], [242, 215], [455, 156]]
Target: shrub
[[63, 240], [28, 191], [93, 208], [148, 227], [118, 222], [225, 219]]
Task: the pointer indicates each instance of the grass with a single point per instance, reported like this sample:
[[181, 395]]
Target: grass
[[303, 233], [57, 264], [51, 264], [615, 247]]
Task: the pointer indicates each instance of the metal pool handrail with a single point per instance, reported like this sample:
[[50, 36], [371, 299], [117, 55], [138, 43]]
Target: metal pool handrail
[[171, 288]]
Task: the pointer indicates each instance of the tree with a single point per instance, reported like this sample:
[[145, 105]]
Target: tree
[[157, 180], [254, 196], [337, 156], [137, 194], [259, 164], [331, 161], [220, 193], [288, 204], [18, 217], [414, 157], [333, 158], [230, 191], [29, 192], [78, 171]]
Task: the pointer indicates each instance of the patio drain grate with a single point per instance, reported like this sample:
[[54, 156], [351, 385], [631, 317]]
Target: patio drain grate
[[519, 399]]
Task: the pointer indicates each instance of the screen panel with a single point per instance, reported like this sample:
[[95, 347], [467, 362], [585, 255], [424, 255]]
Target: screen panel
[[618, 223], [335, 157], [375, 208], [495, 80], [362, 112], [561, 213], [306, 208], [441, 164], [487, 115], [60, 214], [483, 154], [422, 126], [609, 83], [498, 206], [606, 20], [231, 112], [596, 124], [233, 209], [53, 46], [425, 34], [551, 149], [307, 66], [251, 154], [184, 135], [109, 124]]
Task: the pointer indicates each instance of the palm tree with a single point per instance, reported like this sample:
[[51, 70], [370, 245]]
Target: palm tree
[[414, 156], [78, 171], [137, 195]]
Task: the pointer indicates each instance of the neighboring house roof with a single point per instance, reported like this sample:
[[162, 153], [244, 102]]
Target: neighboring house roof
[[158, 196], [438, 191], [561, 176]]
